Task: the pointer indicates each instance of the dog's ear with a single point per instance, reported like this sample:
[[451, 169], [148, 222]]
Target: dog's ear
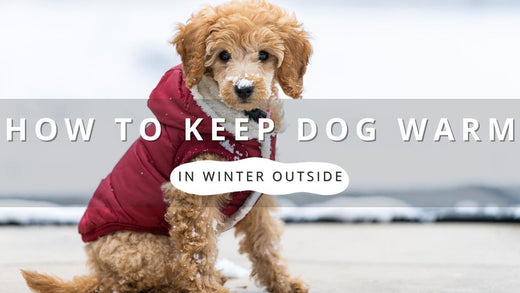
[[190, 42], [297, 52]]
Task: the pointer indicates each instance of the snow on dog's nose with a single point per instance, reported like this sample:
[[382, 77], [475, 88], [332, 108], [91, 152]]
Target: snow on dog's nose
[[244, 88], [245, 91]]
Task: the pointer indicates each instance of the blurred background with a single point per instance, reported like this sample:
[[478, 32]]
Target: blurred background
[[119, 49], [364, 52]]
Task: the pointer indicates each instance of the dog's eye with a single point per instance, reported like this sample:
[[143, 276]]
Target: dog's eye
[[224, 56], [263, 55]]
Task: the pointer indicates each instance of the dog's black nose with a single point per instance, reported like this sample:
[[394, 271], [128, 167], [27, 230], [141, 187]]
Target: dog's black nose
[[243, 92]]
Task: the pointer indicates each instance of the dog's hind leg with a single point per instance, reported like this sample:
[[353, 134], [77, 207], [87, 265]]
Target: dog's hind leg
[[128, 261], [261, 242], [194, 222], [122, 261]]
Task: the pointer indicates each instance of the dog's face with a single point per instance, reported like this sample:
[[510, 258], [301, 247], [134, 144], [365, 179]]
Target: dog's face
[[246, 47], [245, 69]]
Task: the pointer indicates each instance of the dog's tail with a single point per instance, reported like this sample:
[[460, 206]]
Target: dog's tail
[[47, 284]]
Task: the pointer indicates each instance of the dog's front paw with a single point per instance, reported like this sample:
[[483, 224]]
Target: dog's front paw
[[221, 290], [289, 286], [299, 286]]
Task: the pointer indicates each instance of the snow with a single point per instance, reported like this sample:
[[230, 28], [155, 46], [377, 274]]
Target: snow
[[244, 83], [373, 209], [230, 269], [383, 209], [35, 212], [365, 209], [227, 145]]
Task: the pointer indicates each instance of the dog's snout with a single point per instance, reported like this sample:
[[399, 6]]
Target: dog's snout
[[244, 92]]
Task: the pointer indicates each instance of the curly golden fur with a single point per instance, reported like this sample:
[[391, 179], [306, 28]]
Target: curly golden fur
[[243, 28], [184, 261]]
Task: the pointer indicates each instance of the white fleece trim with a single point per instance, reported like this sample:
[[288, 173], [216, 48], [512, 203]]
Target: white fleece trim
[[265, 148], [215, 107], [230, 222], [242, 211]]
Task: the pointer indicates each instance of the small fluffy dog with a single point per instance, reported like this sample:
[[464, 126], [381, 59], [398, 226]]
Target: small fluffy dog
[[143, 234]]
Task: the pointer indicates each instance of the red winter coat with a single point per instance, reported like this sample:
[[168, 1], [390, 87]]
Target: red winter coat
[[130, 197]]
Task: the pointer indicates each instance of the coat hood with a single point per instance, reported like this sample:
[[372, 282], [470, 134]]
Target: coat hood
[[172, 102]]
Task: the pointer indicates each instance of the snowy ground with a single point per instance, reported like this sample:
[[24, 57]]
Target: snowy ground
[[454, 258], [305, 208], [56, 215]]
